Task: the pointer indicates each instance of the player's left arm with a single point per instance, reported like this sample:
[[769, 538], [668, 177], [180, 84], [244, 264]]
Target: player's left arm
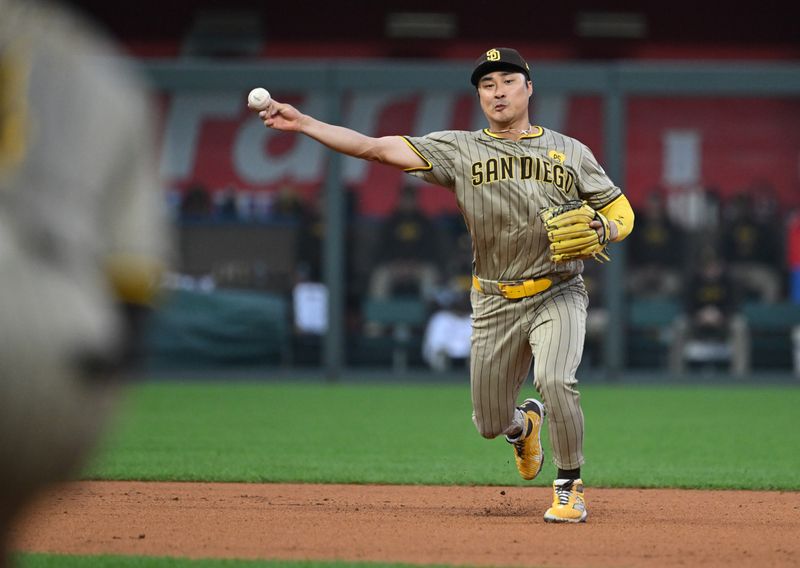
[[620, 218]]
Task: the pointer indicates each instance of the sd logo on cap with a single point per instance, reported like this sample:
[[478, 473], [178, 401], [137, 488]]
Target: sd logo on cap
[[499, 58]]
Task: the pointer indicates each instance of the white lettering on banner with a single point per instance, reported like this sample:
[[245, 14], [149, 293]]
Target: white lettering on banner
[[303, 162], [192, 116], [182, 129], [210, 137]]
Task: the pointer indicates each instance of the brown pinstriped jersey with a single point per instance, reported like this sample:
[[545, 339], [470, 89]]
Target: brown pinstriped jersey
[[500, 186]]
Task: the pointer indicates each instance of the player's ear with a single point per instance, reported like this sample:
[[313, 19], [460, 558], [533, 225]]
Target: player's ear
[[530, 89]]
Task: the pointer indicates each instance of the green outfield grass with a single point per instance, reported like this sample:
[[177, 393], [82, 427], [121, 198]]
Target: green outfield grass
[[666, 436], [60, 561]]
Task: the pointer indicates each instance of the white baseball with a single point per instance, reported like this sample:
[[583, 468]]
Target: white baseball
[[258, 99]]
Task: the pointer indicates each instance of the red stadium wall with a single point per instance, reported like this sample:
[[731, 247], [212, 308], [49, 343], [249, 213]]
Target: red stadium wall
[[743, 142]]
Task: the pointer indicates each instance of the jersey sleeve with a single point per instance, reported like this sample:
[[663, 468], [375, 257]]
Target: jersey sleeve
[[438, 150], [594, 185]]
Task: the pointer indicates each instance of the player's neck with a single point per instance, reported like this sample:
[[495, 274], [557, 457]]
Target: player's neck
[[511, 130]]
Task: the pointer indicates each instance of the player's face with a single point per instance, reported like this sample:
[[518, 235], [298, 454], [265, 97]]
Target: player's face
[[504, 97]]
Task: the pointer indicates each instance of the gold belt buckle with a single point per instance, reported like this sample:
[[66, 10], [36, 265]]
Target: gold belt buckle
[[511, 291], [524, 289], [517, 291]]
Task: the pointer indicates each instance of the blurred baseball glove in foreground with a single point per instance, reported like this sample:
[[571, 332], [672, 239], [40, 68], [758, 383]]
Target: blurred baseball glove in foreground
[[569, 232]]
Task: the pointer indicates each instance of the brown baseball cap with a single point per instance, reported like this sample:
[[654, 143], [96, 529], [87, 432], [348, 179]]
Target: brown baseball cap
[[499, 58]]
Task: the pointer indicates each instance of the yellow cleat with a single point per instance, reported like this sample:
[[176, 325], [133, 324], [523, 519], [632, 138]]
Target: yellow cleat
[[569, 504], [528, 446]]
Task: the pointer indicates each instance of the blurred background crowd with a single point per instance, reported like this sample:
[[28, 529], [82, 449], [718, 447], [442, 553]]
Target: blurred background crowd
[[712, 269], [697, 264]]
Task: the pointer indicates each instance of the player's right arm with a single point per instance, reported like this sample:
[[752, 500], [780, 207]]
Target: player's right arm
[[390, 150]]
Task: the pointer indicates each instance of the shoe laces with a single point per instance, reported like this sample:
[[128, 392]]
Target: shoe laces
[[563, 492]]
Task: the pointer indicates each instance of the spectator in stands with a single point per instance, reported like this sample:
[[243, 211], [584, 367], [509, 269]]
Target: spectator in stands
[[711, 328], [196, 202], [655, 251], [456, 247], [695, 207], [446, 342], [309, 270], [225, 204], [309, 293], [311, 233], [311, 236], [751, 246], [408, 246], [288, 206], [448, 331]]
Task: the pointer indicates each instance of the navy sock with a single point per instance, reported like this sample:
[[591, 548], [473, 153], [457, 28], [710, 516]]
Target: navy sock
[[569, 473]]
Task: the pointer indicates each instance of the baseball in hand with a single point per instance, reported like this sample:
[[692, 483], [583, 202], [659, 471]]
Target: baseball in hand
[[258, 99]]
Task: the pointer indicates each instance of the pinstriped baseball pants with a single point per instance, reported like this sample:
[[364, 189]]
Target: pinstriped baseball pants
[[548, 328]]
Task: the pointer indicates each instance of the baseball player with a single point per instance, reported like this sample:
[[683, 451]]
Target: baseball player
[[536, 203], [83, 237]]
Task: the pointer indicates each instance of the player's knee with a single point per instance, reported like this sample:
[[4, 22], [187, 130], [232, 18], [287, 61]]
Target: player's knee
[[554, 386], [485, 429], [489, 434]]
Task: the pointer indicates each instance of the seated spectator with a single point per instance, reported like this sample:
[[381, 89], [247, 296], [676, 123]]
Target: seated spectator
[[655, 251], [224, 204], [449, 329], [710, 329], [751, 245], [309, 277], [407, 253], [695, 207], [288, 206], [456, 252], [311, 220], [196, 202]]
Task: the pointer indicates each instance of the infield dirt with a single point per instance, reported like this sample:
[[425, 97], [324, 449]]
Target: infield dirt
[[478, 526]]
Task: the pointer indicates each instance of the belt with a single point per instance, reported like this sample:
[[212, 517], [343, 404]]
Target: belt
[[514, 290]]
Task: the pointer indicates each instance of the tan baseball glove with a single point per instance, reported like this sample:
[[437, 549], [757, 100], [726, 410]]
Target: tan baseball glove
[[569, 232]]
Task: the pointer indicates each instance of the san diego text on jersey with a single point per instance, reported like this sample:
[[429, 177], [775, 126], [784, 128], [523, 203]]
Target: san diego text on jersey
[[523, 168]]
